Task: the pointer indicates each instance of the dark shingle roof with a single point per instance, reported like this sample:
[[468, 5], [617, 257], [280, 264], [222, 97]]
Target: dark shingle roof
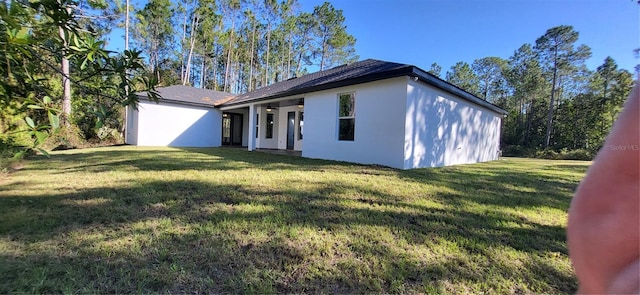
[[356, 73], [192, 95]]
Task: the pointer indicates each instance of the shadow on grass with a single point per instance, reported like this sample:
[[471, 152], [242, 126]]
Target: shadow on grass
[[219, 263], [500, 187], [216, 159], [191, 236], [505, 187]]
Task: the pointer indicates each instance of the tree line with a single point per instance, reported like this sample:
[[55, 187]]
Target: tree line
[[554, 102], [237, 46]]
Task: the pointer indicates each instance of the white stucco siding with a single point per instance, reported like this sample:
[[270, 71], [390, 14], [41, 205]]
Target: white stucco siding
[[264, 142], [379, 124], [282, 125], [167, 124], [442, 129]]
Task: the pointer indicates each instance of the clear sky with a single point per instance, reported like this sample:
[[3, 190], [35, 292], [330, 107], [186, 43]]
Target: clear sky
[[421, 32]]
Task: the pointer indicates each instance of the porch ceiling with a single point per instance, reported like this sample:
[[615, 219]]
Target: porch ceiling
[[275, 103], [284, 103]]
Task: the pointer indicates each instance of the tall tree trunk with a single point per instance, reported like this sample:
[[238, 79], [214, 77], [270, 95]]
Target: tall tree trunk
[[530, 112], [322, 58], [485, 91], [126, 26], [289, 57], [66, 74], [157, 67], [283, 75], [551, 103], [192, 42], [604, 107], [123, 129], [266, 75], [215, 72], [299, 62], [520, 106], [324, 50], [226, 73], [253, 41], [202, 71], [238, 76], [183, 72], [576, 126]]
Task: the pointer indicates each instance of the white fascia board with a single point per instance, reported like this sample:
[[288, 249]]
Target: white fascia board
[[177, 102]]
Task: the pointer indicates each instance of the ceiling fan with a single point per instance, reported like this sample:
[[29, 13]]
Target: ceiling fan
[[270, 108]]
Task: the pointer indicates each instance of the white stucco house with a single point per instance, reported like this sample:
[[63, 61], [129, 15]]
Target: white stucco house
[[369, 112], [183, 117]]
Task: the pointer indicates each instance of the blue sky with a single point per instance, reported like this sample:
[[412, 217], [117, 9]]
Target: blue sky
[[421, 32]]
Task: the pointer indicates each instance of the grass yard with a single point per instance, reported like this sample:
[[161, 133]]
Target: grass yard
[[134, 220]]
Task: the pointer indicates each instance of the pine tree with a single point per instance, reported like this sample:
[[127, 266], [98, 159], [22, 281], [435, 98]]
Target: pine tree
[[462, 76], [435, 69], [561, 58], [154, 32], [334, 45], [491, 80]]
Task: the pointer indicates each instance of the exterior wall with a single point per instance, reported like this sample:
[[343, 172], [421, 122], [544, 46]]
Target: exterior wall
[[279, 140], [168, 124], [379, 124], [442, 129], [282, 124], [264, 142]]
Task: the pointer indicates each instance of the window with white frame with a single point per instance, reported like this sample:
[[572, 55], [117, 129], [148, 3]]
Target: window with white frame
[[346, 116]]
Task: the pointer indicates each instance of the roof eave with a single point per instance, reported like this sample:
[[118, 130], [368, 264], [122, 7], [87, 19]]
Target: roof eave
[[408, 70], [404, 71]]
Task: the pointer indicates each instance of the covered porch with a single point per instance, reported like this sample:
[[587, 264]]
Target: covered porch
[[269, 125]]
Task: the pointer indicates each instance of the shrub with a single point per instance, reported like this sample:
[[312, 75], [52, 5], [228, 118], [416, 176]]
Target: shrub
[[516, 151], [9, 146], [512, 151], [579, 154], [565, 154], [547, 154], [65, 138]]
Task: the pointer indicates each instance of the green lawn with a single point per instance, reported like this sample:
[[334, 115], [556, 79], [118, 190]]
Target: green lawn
[[132, 220]]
